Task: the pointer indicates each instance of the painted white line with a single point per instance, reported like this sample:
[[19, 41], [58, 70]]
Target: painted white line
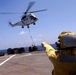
[[7, 60], [24, 55], [30, 54], [4, 57]]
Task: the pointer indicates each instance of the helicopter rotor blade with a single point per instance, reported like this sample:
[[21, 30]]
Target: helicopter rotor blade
[[9, 13], [37, 11], [24, 12], [29, 6]]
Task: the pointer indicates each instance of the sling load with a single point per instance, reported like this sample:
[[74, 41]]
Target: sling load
[[31, 37], [32, 47]]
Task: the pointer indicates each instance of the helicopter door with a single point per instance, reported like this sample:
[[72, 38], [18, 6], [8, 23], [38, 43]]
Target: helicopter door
[[25, 18], [29, 20]]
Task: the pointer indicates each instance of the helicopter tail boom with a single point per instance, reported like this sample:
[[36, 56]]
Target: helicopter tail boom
[[11, 24]]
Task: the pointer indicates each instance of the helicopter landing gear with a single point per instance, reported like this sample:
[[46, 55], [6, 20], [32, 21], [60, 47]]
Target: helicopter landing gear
[[22, 26], [27, 26], [34, 23]]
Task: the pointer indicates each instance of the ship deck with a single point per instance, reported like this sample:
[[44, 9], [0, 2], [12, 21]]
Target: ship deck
[[34, 63]]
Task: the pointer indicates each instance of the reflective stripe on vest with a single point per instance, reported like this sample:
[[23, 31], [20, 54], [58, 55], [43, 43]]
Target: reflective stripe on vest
[[67, 58]]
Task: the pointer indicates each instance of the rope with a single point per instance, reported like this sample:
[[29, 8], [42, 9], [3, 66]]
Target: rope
[[31, 37]]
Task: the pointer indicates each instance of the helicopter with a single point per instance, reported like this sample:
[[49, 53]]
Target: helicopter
[[27, 18]]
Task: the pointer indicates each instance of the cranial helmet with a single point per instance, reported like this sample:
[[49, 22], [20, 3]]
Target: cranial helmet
[[66, 40]]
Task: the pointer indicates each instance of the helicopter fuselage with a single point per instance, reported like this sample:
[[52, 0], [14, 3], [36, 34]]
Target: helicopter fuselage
[[26, 20], [29, 19]]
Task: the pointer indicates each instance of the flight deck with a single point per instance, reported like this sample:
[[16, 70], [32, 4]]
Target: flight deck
[[30, 63]]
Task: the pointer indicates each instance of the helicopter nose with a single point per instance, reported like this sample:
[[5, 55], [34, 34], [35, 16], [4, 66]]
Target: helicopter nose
[[35, 18]]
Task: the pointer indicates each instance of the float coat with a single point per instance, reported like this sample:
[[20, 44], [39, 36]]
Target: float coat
[[60, 68]]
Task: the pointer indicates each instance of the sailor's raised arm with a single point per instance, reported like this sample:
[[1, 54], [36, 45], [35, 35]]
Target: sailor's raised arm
[[49, 49]]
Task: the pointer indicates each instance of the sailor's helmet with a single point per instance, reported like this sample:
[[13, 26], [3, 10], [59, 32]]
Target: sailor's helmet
[[66, 40]]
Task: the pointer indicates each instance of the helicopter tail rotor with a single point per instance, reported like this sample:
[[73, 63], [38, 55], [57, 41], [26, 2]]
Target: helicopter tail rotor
[[10, 24]]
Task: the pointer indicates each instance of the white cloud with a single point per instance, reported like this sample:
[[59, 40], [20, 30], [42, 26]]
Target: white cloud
[[22, 33], [40, 35], [37, 39]]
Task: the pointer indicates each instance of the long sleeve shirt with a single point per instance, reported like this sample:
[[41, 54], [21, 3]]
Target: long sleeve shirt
[[60, 68]]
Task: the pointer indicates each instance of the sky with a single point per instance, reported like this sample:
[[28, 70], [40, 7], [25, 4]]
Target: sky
[[60, 16]]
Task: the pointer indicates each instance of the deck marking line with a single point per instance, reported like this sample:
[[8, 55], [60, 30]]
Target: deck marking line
[[7, 59], [24, 55]]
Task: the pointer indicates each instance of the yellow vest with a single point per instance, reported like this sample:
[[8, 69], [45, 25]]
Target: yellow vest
[[60, 68]]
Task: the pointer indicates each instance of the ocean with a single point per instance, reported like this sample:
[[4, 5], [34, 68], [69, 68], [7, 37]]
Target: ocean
[[26, 48]]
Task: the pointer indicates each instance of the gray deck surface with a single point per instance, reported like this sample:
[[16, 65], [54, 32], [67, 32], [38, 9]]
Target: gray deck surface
[[34, 63]]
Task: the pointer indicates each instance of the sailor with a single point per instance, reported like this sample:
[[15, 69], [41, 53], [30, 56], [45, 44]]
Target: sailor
[[64, 58]]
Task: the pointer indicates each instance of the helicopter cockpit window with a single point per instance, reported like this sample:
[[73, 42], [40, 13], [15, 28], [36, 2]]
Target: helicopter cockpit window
[[33, 18]]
